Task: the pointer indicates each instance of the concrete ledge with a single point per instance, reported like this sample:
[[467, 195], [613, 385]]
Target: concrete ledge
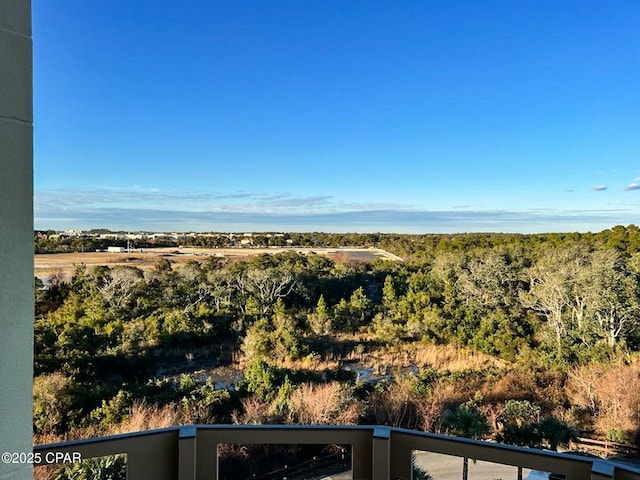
[[16, 293], [15, 15], [16, 93], [16, 233], [16, 187]]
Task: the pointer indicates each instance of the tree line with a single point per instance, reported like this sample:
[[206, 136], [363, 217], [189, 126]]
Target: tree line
[[560, 311]]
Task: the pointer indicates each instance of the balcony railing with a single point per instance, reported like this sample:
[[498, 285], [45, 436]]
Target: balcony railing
[[377, 453]]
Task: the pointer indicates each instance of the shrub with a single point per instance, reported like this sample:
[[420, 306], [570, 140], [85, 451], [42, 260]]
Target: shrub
[[52, 401], [104, 468], [323, 404]]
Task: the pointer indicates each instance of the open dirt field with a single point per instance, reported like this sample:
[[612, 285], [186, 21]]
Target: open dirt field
[[64, 264]]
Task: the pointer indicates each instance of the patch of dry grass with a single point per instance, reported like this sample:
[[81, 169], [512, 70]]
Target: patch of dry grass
[[366, 353], [449, 357], [149, 417], [323, 404]]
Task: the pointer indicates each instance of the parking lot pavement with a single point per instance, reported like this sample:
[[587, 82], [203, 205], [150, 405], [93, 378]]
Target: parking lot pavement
[[448, 467], [339, 476]]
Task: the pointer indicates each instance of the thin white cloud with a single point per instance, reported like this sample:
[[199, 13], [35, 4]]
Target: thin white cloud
[[398, 221], [282, 203], [151, 198], [166, 211], [72, 200], [599, 188], [633, 186]]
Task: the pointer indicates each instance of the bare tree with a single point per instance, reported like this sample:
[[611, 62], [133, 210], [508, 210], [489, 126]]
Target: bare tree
[[221, 287], [611, 296], [610, 392], [584, 295], [265, 285], [552, 289], [119, 285], [488, 279]]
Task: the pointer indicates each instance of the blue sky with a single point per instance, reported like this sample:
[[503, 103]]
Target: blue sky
[[412, 116]]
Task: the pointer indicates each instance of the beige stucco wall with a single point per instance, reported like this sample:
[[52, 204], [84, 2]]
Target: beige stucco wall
[[16, 233]]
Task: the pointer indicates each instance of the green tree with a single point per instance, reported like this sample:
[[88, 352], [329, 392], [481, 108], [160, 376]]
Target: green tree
[[278, 339], [257, 341], [202, 404], [556, 433], [113, 412], [285, 338], [319, 320], [359, 305], [522, 426], [262, 379], [389, 296], [465, 421], [341, 315]]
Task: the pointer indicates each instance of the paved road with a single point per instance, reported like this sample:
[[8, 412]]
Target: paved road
[[339, 476], [447, 467]]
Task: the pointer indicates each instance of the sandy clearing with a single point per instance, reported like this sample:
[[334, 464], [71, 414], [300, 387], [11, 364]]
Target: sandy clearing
[[64, 264]]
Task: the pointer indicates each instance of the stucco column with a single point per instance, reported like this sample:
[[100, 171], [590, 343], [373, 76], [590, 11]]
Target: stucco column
[[16, 234]]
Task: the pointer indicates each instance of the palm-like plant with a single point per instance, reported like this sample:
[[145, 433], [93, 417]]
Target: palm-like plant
[[465, 421]]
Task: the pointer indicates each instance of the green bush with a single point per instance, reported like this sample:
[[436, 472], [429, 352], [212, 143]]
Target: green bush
[[616, 435], [103, 468]]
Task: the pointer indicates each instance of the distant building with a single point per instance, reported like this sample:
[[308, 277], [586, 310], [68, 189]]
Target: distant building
[[136, 236], [113, 236]]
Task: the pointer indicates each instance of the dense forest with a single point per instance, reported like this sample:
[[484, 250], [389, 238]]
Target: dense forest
[[526, 339]]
